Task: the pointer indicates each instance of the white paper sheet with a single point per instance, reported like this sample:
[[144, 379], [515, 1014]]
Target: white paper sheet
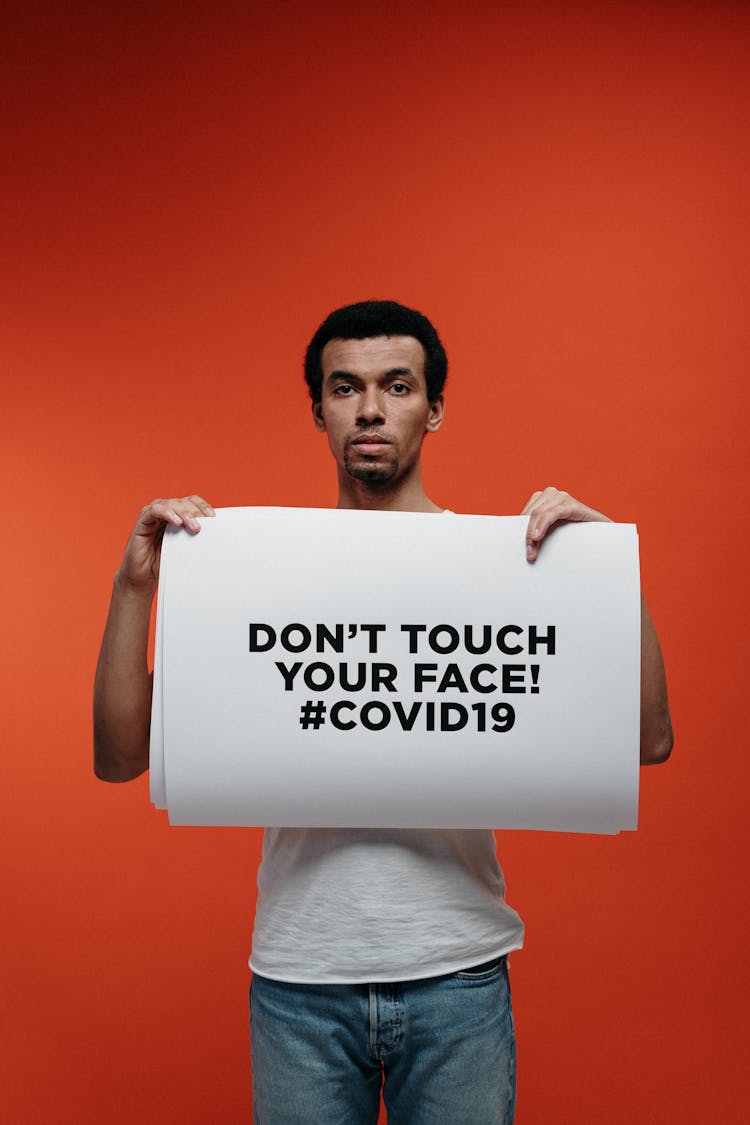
[[157, 781], [231, 738]]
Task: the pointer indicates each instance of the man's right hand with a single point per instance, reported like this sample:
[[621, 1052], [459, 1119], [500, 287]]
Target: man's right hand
[[140, 566], [122, 688]]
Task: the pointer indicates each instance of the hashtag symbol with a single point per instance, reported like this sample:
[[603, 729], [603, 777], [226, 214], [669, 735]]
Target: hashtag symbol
[[312, 714]]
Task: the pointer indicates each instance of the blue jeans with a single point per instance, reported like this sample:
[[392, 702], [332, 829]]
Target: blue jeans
[[443, 1050]]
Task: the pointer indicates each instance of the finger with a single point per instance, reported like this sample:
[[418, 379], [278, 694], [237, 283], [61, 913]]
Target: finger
[[563, 507], [539, 498], [159, 511], [531, 502], [204, 506], [189, 511], [532, 546], [552, 507], [179, 512]]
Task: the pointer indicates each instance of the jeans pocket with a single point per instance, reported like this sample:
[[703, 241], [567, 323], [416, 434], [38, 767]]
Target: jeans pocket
[[486, 971]]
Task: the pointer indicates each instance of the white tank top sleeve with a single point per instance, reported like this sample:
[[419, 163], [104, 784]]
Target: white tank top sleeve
[[350, 905]]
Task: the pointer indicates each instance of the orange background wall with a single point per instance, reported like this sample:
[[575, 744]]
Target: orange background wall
[[563, 188]]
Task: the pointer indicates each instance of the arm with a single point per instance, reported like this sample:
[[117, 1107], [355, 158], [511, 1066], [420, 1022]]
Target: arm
[[547, 508], [656, 725], [122, 687]]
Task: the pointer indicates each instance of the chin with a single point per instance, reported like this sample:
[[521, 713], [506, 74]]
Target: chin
[[372, 472]]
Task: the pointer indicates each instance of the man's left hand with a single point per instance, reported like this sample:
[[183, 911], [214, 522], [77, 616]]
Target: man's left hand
[[550, 507]]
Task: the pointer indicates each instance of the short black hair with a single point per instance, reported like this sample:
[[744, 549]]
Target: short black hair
[[377, 318]]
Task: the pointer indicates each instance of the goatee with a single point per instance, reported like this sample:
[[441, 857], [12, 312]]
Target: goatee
[[372, 472]]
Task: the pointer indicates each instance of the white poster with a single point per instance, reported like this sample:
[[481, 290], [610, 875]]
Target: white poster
[[317, 667]]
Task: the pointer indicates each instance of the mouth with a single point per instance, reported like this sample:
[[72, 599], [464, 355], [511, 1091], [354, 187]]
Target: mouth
[[370, 445]]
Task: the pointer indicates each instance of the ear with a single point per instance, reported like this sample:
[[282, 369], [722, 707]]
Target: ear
[[437, 413], [318, 419]]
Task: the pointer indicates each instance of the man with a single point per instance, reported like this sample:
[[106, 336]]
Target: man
[[379, 956]]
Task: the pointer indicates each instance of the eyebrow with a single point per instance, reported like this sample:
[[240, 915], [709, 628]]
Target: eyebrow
[[392, 372]]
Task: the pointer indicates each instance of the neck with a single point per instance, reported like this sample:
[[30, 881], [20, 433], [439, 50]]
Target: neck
[[406, 495]]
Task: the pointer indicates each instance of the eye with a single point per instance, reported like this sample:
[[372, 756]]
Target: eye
[[343, 389], [400, 388]]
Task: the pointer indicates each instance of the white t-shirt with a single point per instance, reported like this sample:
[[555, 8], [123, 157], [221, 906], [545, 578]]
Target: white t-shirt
[[352, 905]]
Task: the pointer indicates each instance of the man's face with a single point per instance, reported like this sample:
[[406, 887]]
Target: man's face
[[374, 406]]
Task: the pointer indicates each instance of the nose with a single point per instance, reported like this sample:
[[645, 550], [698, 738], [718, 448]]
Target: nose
[[371, 408]]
